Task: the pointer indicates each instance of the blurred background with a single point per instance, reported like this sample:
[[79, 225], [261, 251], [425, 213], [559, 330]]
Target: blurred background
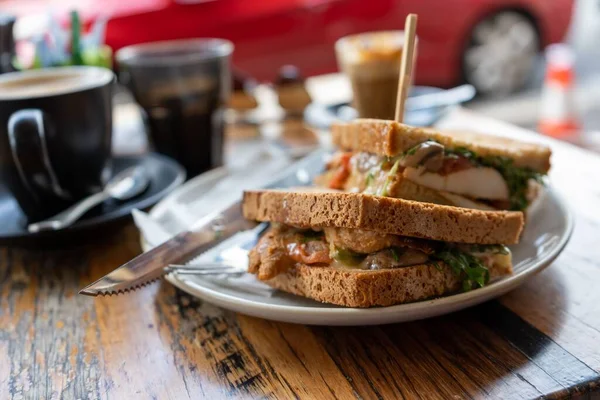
[[495, 45], [295, 67], [459, 39]]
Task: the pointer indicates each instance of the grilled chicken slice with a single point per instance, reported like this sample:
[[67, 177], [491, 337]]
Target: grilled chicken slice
[[366, 242], [476, 182], [358, 240]]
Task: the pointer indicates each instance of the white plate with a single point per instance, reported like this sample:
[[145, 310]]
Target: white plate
[[546, 234]]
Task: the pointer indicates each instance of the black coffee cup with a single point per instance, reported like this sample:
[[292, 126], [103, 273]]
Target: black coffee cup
[[183, 87], [55, 136]]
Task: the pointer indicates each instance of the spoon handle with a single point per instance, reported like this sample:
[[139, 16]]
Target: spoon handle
[[448, 97], [70, 215]]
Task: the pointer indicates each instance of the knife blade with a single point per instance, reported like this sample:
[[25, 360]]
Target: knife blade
[[205, 234], [148, 267]]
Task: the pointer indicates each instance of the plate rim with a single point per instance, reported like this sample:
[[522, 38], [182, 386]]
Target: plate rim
[[428, 308]]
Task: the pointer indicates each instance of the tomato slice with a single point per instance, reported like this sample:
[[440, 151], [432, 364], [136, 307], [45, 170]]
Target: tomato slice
[[342, 172]]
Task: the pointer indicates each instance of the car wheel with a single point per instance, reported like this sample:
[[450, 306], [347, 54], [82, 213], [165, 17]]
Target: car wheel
[[501, 53]]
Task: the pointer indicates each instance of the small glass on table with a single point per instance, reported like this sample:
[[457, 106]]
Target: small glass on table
[[372, 63], [183, 87]]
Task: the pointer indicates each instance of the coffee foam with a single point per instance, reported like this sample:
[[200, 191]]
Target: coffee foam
[[50, 82], [371, 47]]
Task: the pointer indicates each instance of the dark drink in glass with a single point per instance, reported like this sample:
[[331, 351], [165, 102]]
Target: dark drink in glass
[[183, 87]]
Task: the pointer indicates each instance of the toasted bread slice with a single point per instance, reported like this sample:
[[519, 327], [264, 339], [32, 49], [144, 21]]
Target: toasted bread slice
[[359, 288], [383, 214], [390, 138]]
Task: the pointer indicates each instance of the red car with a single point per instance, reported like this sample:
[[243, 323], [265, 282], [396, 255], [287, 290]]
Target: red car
[[492, 44]]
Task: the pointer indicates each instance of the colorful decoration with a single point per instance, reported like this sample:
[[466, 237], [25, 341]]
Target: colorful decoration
[[60, 47]]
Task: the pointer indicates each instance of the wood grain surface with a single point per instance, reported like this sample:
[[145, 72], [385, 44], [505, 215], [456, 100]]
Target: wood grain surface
[[541, 340]]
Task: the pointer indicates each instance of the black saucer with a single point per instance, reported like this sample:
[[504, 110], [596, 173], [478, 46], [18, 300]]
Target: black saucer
[[322, 116], [165, 175]]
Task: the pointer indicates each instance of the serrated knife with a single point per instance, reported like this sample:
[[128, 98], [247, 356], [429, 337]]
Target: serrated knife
[[206, 233], [147, 267]]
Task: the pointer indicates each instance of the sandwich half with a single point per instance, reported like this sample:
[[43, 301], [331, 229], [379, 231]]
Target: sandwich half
[[360, 250], [463, 169]]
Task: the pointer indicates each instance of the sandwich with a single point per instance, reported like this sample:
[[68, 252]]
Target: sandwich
[[360, 250], [462, 169]]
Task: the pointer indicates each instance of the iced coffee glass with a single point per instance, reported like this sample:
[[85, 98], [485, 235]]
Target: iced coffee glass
[[372, 63]]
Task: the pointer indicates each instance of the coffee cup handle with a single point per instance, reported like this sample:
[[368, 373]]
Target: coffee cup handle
[[27, 130]]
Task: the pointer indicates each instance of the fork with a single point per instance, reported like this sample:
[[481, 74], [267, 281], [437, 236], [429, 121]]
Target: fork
[[204, 269], [193, 267]]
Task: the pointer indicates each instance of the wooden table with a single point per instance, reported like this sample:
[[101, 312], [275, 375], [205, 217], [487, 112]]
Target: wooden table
[[542, 339]]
